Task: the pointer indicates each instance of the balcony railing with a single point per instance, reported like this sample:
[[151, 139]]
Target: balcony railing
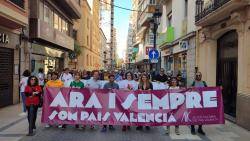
[[19, 3], [203, 10]]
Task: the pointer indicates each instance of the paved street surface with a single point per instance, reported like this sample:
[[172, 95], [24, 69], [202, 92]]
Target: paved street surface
[[13, 127]]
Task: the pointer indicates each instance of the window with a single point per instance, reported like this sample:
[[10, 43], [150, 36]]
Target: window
[[46, 15], [19, 3], [87, 59], [152, 1], [66, 26], [41, 10], [186, 8], [50, 17], [75, 34], [63, 26], [59, 23], [87, 40], [56, 21]]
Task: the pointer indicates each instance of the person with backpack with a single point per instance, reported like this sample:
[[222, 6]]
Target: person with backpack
[[198, 82]]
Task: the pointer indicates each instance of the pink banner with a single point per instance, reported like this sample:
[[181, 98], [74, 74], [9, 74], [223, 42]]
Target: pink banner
[[191, 106]]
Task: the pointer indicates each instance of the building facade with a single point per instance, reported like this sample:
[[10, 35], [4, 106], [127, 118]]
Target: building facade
[[88, 36], [223, 53], [13, 48], [104, 50], [51, 33], [177, 39], [144, 35]]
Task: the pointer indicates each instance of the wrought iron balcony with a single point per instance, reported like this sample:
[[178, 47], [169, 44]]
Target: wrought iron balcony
[[202, 11], [216, 10]]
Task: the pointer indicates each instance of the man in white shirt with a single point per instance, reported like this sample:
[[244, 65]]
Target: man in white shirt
[[94, 82], [66, 77]]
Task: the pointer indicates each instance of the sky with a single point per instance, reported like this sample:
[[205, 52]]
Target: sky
[[121, 23]]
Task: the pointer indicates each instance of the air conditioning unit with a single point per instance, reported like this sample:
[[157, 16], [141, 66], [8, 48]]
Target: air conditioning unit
[[183, 44]]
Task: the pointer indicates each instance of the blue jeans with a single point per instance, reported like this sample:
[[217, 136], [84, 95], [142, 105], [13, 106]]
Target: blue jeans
[[23, 100]]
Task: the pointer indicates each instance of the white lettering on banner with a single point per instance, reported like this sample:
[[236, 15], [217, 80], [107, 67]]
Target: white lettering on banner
[[176, 99], [150, 117], [193, 100], [112, 101], [158, 117], [129, 100], [93, 102], [160, 103], [84, 115], [124, 118], [76, 99], [209, 99], [144, 102], [92, 117], [62, 115], [132, 118], [185, 117], [106, 116], [118, 115], [53, 115], [72, 116], [171, 118], [141, 117], [59, 101]]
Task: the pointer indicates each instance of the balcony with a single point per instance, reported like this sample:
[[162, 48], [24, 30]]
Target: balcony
[[216, 10], [13, 14], [146, 15], [40, 30], [19, 3], [72, 7], [166, 37]]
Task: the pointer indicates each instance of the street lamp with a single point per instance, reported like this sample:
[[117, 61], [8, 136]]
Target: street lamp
[[155, 22]]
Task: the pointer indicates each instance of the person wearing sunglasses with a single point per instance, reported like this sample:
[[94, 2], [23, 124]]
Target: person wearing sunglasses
[[32, 93], [198, 82]]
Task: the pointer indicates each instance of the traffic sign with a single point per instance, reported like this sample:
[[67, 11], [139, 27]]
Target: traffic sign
[[154, 61], [153, 54]]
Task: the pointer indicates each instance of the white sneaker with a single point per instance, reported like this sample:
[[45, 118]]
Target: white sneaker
[[23, 114], [47, 126], [59, 126]]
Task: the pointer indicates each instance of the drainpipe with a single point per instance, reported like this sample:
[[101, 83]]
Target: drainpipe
[[197, 41]]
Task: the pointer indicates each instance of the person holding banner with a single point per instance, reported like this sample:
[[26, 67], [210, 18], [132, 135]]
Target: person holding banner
[[144, 84], [77, 83], [94, 83], [110, 85], [173, 85], [55, 83], [198, 82], [32, 93], [128, 84]]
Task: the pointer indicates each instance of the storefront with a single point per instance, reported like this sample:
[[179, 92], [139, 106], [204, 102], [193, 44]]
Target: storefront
[[174, 60], [9, 67], [45, 57]]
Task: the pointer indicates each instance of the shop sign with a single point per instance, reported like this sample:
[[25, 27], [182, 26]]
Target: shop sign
[[148, 49], [4, 38]]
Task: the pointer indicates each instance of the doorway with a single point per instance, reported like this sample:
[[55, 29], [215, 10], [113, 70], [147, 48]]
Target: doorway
[[227, 70], [6, 73]]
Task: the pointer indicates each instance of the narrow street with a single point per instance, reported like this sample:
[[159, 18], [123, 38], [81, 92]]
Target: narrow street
[[14, 128]]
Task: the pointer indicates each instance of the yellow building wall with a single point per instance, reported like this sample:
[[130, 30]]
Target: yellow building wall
[[88, 37]]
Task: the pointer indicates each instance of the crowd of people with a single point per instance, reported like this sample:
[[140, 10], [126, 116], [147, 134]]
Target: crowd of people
[[32, 86]]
